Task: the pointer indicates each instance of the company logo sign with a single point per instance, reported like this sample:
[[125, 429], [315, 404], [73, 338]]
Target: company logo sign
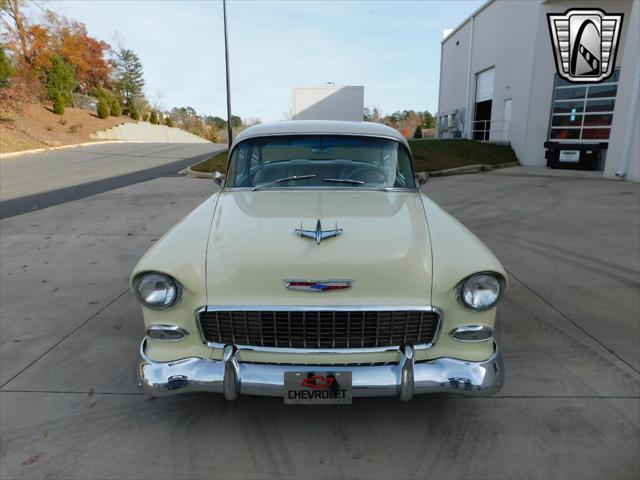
[[585, 43]]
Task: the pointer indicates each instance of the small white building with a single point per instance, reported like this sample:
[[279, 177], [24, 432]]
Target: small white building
[[328, 102], [498, 82]]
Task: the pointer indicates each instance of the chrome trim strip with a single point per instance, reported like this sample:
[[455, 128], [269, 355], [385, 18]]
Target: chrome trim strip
[[360, 189], [319, 308], [471, 328], [254, 348], [441, 375]]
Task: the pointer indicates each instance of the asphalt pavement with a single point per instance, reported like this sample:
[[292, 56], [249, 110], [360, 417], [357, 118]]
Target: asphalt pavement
[[33, 181], [568, 328]]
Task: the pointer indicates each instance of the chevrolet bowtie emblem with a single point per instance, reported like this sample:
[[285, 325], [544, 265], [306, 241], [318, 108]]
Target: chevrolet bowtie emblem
[[318, 234]]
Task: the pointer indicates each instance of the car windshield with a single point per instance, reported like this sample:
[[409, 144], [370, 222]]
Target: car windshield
[[331, 161]]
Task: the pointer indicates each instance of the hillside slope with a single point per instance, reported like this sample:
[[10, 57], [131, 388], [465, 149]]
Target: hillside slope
[[37, 127]]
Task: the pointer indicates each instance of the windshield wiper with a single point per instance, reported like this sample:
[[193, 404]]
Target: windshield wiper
[[285, 179], [355, 182]]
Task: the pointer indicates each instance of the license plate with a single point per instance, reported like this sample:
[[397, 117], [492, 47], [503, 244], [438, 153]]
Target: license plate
[[569, 156], [317, 388]]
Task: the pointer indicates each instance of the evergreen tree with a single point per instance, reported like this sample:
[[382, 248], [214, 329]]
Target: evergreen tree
[[6, 69], [58, 104], [116, 109], [129, 76], [104, 108], [60, 80]]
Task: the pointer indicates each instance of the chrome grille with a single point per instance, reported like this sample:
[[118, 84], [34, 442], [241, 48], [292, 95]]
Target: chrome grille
[[319, 329]]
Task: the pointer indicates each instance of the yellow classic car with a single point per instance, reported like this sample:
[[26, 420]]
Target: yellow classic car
[[319, 272]]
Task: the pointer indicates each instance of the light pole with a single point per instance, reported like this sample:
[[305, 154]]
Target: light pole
[[226, 61]]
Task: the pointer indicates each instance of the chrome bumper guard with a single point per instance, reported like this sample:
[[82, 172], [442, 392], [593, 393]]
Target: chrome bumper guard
[[404, 379]]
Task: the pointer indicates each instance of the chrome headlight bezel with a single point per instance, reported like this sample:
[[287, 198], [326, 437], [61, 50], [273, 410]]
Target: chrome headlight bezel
[[459, 290], [170, 281]]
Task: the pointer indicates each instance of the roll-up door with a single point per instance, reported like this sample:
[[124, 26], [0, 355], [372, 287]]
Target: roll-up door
[[484, 85]]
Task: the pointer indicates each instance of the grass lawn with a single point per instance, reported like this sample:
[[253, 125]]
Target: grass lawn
[[216, 163], [428, 155], [433, 155]]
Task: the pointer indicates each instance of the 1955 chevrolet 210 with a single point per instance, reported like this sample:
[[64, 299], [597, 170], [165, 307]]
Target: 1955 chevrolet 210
[[319, 272]]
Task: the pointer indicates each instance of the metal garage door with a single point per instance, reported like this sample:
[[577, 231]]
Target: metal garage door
[[484, 85], [482, 110]]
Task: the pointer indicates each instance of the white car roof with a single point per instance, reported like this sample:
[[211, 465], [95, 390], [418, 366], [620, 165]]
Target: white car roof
[[321, 127]]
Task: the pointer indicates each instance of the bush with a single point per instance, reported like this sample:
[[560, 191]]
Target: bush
[[418, 132], [154, 118], [134, 113], [145, 117], [99, 93], [104, 108], [116, 109], [58, 104], [168, 122]]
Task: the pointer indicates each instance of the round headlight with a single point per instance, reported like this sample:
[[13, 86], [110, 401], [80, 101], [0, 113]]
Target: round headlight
[[481, 291], [156, 290]]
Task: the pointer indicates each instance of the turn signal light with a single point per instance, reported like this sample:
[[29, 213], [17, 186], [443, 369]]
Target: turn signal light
[[166, 332], [472, 333]]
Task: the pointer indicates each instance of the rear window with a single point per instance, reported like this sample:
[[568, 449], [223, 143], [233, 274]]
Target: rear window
[[331, 161]]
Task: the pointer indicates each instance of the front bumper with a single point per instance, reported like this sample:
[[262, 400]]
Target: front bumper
[[404, 379]]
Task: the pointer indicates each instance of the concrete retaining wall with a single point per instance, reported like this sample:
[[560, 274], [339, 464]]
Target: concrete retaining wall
[[147, 132]]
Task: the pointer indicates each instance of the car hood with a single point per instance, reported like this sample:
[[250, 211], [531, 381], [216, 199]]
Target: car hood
[[384, 248]]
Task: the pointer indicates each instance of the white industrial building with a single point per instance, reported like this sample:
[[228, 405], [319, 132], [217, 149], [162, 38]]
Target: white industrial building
[[328, 102], [498, 82]]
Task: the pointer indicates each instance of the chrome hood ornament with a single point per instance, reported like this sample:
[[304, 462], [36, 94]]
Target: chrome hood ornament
[[318, 234]]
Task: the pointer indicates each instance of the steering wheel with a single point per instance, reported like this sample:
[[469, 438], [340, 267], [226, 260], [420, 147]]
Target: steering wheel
[[378, 172]]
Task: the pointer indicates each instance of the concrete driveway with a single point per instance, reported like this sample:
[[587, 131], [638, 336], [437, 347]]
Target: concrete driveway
[[569, 330]]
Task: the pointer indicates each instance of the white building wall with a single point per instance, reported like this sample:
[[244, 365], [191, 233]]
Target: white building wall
[[328, 102], [625, 110], [453, 76], [503, 38]]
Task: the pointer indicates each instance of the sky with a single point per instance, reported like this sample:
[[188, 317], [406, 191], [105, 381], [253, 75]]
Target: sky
[[390, 47]]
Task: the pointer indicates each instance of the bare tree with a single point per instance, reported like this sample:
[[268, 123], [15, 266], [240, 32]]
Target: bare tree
[[16, 25]]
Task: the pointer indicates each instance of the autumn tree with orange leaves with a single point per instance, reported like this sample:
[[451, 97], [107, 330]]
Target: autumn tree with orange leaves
[[33, 44]]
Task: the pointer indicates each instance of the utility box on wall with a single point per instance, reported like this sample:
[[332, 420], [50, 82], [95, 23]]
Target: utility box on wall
[[328, 102]]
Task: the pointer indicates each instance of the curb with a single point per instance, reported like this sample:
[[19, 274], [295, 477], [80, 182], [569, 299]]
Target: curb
[[471, 169], [62, 147], [192, 173]]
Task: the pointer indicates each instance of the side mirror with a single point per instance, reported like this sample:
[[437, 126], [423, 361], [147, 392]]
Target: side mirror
[[421, 178], [219, 178]]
